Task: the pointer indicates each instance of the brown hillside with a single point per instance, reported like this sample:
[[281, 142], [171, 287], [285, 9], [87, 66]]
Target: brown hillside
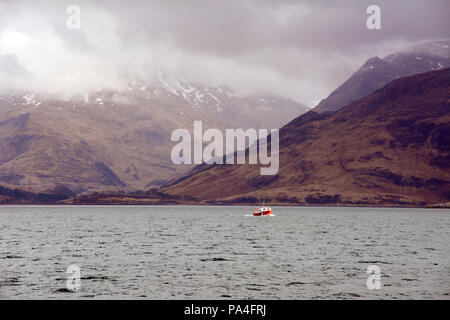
[[389, 148]]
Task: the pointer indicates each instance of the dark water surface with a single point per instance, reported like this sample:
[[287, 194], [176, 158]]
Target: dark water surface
[[159, 252]]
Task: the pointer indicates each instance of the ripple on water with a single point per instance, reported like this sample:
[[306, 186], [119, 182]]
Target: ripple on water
[[217, 252]]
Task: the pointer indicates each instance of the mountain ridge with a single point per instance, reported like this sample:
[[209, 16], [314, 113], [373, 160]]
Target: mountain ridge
[[377, 72], [389, 148]]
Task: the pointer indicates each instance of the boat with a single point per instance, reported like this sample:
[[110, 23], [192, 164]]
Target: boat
[[263, 211]]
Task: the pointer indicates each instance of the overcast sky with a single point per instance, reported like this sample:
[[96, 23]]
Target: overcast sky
[[297, 49]]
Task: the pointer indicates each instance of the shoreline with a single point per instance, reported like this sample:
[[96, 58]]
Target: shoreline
[[123, 204]]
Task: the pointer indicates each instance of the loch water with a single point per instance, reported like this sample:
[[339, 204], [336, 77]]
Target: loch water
[[214, 252]]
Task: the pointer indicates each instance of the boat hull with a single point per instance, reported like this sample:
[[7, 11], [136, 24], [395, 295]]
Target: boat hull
[[262, 213]]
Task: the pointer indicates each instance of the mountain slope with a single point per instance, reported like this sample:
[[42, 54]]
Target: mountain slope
[[389, 148], [376, 72], [114, 140]]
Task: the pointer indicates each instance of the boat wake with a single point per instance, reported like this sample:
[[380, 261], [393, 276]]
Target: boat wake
[[251, 215]]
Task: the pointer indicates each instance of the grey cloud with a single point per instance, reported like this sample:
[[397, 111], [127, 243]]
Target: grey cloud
[[298, 49]]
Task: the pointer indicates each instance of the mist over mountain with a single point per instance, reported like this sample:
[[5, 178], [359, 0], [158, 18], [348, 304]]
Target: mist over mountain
[[117, 140], [376, 72], [120, 139], [253, 48], [92, 108]]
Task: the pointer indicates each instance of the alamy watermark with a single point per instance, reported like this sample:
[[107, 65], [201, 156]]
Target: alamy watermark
[[74, 278], [374, 279], [237, 142], [373, 22], [73, 21]]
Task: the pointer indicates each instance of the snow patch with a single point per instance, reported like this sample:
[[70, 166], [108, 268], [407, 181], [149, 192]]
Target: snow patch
[[29, 99]]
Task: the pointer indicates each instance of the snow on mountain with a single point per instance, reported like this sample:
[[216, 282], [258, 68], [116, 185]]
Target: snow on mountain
[[108, 140]]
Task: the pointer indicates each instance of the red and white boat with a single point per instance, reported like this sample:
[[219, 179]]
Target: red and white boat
[[263, 211]]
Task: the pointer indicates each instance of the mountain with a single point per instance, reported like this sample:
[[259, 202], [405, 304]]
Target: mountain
[[117, 140], [376, 72], [389, 148], [256, 111]]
